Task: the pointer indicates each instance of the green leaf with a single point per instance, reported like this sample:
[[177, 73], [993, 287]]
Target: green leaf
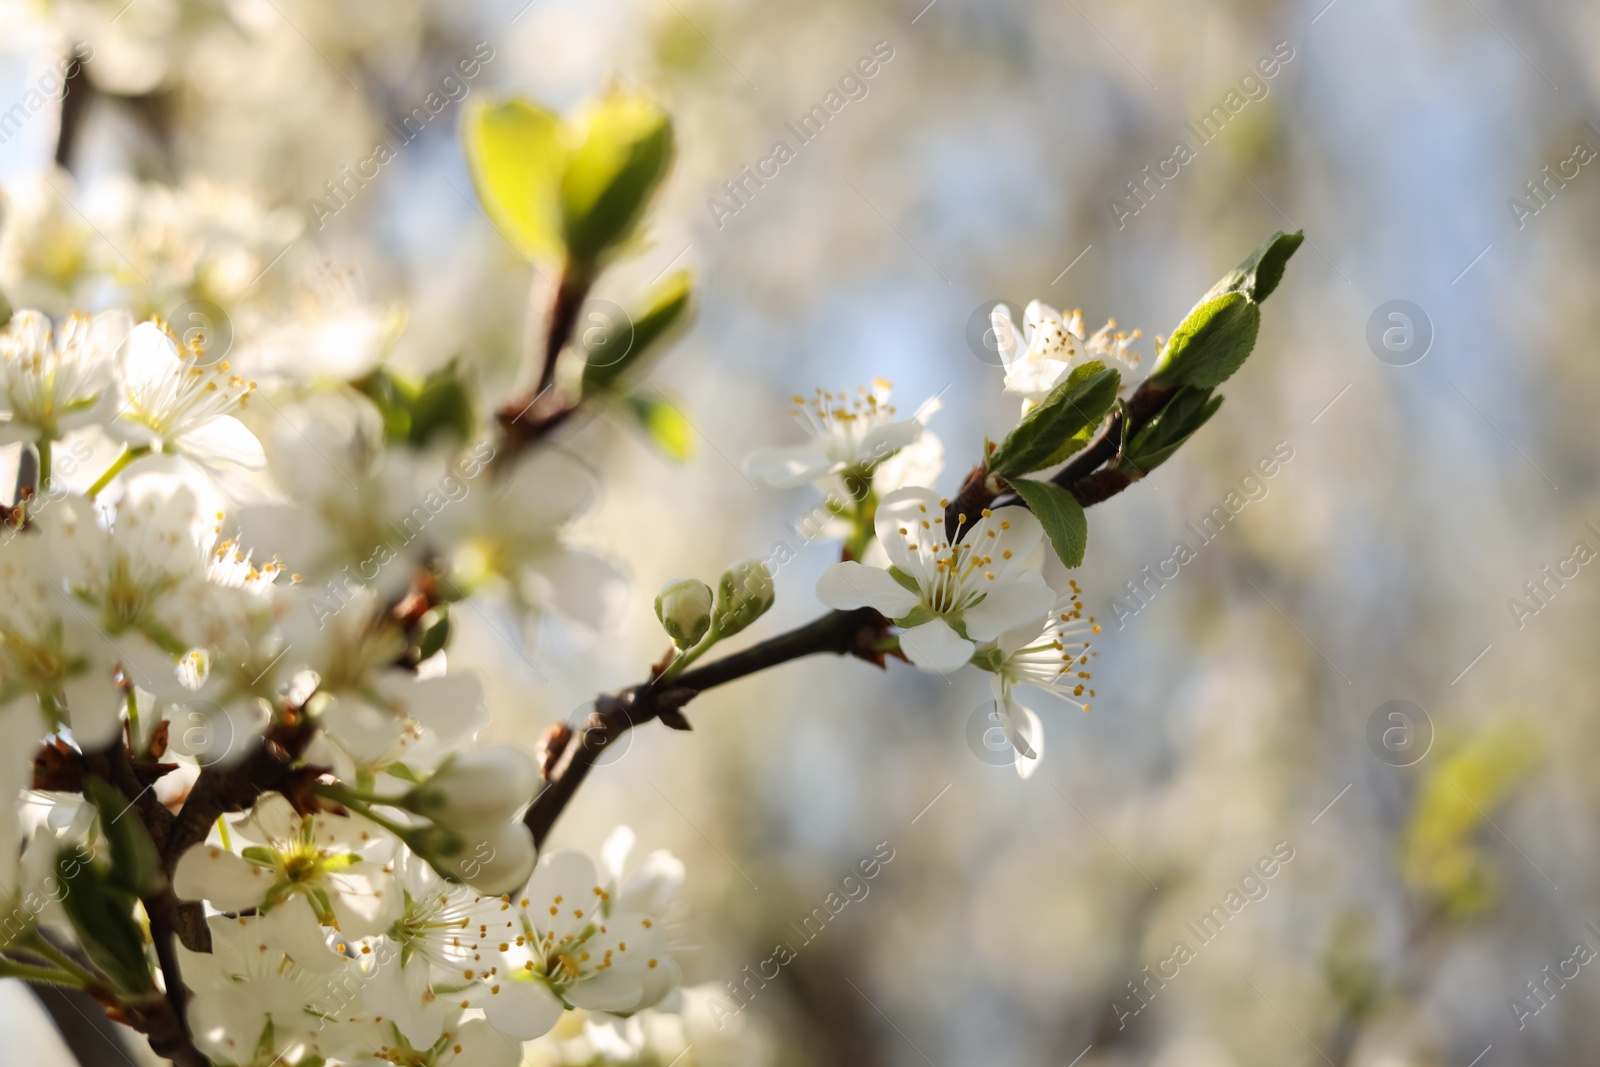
[[1211, 343], [664, 424], [435, 626], [665, 311], [1072, 446], [414, 412], [102, 916], [1059, 512], [1053, 428], [443, 403], [392, 394], [518, 155], [135, 863], [610, 177], [1261, 272], [1187, 411]]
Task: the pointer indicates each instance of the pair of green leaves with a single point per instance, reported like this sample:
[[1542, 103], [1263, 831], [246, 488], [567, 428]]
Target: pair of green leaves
[[1211, 343], [415, 411], [574, 193], [1216, 337], [568, 190]]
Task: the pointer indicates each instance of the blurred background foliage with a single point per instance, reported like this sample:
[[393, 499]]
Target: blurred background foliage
[[1016, 920]]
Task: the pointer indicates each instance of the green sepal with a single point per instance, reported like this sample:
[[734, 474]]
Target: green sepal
[[1062, 517], [908, 583], [1078, 404], [413, 411]]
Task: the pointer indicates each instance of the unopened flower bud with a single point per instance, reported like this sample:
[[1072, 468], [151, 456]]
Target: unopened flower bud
[[684, 608], [496, 860], [743, 595], [485, 784]]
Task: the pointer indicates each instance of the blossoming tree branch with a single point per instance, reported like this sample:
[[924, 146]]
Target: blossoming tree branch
[[252, 816]]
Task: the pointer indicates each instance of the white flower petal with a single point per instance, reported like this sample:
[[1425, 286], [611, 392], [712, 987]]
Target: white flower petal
[[650, 889], [1035, 378], [1003, 331], [884, 441], [850, 585], [481, 1046], [1007, 605], [934, 646], [907, 509], [151, 356], [785, 468], [582, 586], [207, 872], [523, 1008], [1026, 734], [612, 991], [224, 440]]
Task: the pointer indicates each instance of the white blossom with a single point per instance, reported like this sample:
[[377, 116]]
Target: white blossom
[[1052, 657], [337, 864], [53, 382], [566, 941], [946, 597], [848, 434], [1053, 347], [183, 402]]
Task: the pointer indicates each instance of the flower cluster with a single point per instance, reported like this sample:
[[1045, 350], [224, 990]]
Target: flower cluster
[[959, 591], [134, 618], [350, 949]]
